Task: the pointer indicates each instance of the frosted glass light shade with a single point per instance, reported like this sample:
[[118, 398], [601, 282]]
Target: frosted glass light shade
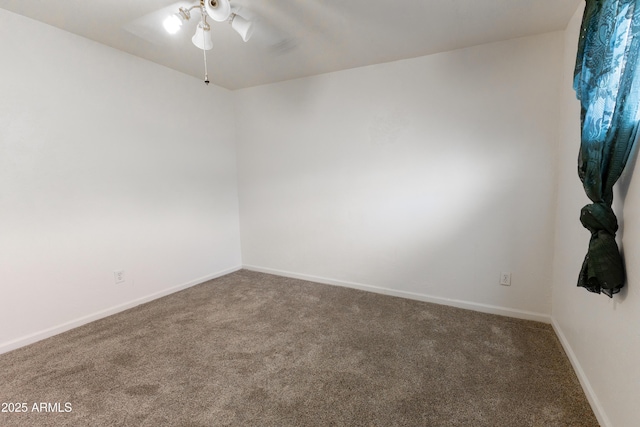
[[218, 10], [242, 27], [202, 38]]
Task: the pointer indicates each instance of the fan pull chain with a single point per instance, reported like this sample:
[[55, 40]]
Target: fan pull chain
[[204, 54]]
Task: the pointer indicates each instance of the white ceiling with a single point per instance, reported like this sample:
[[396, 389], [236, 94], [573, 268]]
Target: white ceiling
[[297, 38]]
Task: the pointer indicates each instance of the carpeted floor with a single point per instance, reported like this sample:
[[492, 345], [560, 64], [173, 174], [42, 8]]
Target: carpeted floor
[[251, 349]]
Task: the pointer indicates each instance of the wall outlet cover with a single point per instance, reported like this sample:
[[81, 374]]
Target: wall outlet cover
[[505, 279], [118, 276]]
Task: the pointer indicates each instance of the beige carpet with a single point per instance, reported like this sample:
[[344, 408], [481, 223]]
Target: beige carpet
[[251, 349]]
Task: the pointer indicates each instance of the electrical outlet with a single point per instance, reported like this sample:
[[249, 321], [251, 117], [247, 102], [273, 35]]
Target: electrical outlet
[[505, 279], [118, 276]]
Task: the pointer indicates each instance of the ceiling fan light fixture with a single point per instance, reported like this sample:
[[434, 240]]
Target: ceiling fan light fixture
[[218, 10], [241, 26], [202, 38]]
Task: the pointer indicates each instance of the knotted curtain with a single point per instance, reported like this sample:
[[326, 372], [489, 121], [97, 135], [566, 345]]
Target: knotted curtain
[[607, 83]]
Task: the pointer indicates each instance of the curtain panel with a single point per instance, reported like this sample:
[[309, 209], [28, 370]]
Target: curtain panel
[[607, 83]]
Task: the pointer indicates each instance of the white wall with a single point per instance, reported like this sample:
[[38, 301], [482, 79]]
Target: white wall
[[107, 162], [601, 335], [424, 177]]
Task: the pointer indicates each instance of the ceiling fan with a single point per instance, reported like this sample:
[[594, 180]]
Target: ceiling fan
[[194, 22], [217, 10]]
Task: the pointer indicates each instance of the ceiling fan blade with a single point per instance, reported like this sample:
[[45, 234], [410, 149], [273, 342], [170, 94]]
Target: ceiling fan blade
[[265, 33]]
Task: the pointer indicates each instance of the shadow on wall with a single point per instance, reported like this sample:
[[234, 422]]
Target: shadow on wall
[[467, 221], [621, 191], [624, 182]]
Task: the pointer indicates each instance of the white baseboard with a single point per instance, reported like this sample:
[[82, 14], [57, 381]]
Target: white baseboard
[[55, 330], [598, 411], [484, 308]]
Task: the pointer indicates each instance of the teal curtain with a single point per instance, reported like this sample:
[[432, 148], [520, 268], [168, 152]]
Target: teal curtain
[[607, 83]]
